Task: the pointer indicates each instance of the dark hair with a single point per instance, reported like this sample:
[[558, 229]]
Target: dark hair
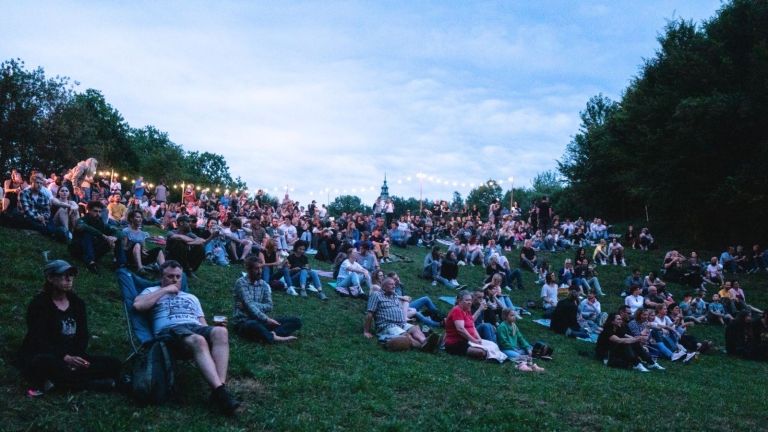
[[298, 244], [252, 259], [134, 212], [95, 204], [173, 264]]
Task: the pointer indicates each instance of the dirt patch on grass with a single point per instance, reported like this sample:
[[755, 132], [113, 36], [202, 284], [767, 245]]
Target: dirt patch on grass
[[246, 385]]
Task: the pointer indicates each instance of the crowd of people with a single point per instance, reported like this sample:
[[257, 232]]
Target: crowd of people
[[97, 217]]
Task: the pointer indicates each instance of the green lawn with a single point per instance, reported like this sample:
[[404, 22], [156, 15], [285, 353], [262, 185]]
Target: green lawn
[[333, 378]]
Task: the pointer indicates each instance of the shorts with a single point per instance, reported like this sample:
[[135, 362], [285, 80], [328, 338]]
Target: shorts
[[393, 331], [175, 335]]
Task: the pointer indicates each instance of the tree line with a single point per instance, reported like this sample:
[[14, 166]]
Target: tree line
[[47, 125], [688, 141]]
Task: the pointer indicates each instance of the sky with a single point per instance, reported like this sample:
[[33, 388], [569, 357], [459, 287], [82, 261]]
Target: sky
[[323, 98]]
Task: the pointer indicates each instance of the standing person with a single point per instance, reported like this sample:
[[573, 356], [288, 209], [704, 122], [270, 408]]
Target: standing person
[[54, 351], [389, 212], [161, 192], [138, 187], [253, 303], [544, 213], [178, 318]]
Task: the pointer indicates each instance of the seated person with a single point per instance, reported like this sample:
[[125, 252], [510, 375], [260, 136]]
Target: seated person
[[179, 319], [380, 245], [728, 260], [740, 337], [367, 257], [635, 278], [385, 310], [398, 236], [352, 275], [117, 211], [54, 350], [297, 272], [253, 303], [508, 275], [655, 298], [528, 258], [134, 242], [239, 244], [600, 254], [590, 313], [716, 311], [565, 316], [549, 295], [65, 211], [432, 269], [635, 299], [460, 328], [428, 237], [422, 309], [36, 209], [93, 238], [616, 252], [186, 248], [512, 343], [713, 273], [618, 349]]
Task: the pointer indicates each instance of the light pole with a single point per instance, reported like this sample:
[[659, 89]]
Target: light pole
[[511, 194], [421, 194]]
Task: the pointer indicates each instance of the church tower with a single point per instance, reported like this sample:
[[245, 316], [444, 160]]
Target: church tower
[[384, 189]]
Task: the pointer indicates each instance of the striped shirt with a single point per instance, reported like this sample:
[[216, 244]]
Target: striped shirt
[[253, 301], [386, 310]]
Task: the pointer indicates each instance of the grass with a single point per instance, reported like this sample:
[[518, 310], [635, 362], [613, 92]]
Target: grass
[[333, 378]]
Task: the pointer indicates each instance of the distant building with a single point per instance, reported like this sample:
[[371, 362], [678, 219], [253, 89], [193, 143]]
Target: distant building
[[384, 189]]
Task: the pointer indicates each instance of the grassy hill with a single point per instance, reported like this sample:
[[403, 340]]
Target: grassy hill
[[333, 378]]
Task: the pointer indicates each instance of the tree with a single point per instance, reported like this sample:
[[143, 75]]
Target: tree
[[483, 195], [347, 204], [457, 203]]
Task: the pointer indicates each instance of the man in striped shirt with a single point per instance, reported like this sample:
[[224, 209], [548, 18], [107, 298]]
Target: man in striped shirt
[[385, 310]]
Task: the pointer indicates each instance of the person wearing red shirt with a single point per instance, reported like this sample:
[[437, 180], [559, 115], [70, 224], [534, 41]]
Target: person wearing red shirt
[[460, 328]]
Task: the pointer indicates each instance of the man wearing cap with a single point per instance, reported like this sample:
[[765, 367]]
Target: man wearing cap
[[54, 349], [185, 247], [178, 318]]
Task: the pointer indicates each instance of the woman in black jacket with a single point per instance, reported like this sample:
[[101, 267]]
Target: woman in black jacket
[[54, 350]]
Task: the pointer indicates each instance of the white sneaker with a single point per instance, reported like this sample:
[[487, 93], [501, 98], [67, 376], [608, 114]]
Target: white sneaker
[[311, 288], [657, 366], [454, 282], [461, 263], [284, 253], [291, 291], [678, 355], [434, 283], [640, 368]]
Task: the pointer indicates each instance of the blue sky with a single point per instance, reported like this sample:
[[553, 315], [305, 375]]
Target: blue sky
[[331, 95]]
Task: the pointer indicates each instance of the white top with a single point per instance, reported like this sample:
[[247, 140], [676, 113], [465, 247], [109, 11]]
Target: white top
[[634, 303]]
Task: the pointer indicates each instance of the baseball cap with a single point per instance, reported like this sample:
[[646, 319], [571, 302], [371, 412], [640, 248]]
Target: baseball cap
[[57, 267]]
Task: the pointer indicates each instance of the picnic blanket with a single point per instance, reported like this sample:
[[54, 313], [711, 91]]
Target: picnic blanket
[[451, 300]]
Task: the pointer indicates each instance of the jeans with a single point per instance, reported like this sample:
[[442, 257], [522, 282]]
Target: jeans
[[435, 269], [301, 277], [43, 367], [585, 284], [307, 237], [92, 248], [513, 354], [352, 279], [262, 331], [486, 331]]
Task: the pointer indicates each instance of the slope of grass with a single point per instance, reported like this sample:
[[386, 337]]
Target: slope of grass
[[333, 378]]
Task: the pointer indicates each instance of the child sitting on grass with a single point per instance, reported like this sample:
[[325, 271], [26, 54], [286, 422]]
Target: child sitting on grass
[[512, 343]]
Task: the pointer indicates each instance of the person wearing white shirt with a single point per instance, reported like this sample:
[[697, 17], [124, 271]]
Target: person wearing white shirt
[[635, 300]]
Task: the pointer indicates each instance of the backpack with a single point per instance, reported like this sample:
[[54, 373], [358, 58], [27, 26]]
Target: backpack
[[542, 350], [152, 378]]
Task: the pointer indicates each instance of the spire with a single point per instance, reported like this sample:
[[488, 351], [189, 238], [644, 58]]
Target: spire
[[384, 188]]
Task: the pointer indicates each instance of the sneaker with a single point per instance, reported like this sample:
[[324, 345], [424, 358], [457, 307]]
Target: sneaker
[[311, 288], [434, 283], [461, 263], [291, 291], [284, 253], [322, 296], [224, 401], [656, 366], [690, 357], [640, 368], [507, 288], [454, 282], [678, 355], [303, 293], [431, 344]]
